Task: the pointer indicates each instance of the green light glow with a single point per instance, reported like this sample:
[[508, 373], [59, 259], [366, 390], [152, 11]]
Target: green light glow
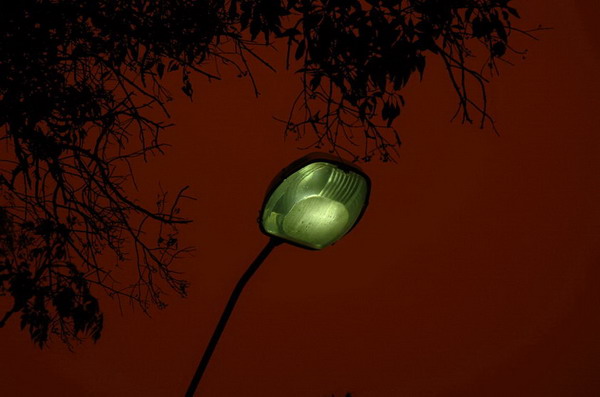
[[316, 205]]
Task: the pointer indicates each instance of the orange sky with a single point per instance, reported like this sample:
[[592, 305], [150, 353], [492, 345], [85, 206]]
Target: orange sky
[[474, 271]]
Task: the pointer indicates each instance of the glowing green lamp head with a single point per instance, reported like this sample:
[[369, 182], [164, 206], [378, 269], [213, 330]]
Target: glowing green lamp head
[[315, 201]]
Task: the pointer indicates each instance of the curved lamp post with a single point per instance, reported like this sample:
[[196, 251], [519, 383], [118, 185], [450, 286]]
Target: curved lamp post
[[312, 203]]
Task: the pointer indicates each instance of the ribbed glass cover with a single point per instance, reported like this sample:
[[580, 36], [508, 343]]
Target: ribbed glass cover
[[316, 205]]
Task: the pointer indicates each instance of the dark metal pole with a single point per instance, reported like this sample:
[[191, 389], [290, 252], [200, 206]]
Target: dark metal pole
[[235, 294]]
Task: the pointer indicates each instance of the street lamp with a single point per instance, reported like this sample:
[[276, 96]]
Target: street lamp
[[312, 203], [315, 201]]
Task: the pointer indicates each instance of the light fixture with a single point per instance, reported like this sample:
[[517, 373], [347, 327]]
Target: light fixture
[[315, 201], [311, 204]]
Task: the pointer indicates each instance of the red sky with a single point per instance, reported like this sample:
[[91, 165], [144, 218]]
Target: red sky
[[473, 272]]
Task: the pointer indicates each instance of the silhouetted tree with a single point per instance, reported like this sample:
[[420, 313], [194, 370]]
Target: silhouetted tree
[[80, 82]]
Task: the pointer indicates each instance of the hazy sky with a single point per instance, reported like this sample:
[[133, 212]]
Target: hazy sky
[[474, 271]]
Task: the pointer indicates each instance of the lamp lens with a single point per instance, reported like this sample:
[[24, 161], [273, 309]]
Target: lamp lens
[[316, 205]]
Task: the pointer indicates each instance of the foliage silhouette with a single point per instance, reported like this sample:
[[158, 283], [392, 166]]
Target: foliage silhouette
[[80, 82]]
